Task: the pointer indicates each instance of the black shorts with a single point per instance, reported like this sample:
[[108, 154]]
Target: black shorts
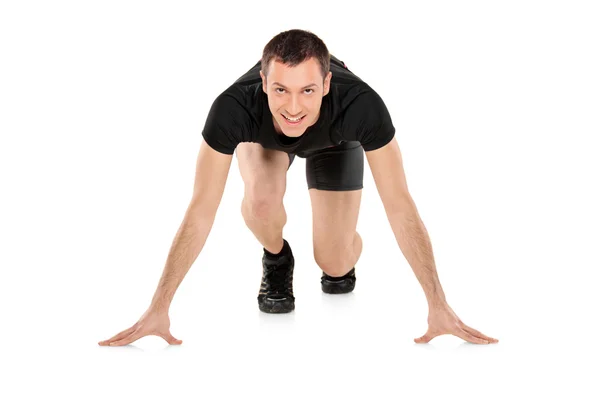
[[336, 168]]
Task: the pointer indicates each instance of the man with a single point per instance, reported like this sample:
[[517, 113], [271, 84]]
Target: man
[[300, 100]]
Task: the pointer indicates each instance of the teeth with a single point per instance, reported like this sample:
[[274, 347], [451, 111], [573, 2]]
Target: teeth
[[291, 119]]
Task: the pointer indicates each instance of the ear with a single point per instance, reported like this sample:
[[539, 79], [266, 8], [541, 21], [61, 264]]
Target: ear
[[326, 83], [264, 81]]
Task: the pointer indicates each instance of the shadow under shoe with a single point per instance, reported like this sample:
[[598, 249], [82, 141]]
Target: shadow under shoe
[[276, 295], [338, 285]]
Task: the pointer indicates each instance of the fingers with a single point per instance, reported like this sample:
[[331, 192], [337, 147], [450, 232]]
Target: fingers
[[169, 338], [473, 337], [118, 336], [468, 337], [426, 337], [129, 339], [423, 339], [475, 332], [131, 335]]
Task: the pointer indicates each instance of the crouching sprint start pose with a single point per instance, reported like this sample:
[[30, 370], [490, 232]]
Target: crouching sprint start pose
[[299, 99]]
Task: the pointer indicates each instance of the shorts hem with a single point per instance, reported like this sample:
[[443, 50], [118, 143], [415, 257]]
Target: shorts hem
[[335, 188]]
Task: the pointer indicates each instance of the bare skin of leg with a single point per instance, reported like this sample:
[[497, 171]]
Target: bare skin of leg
[[336, 243], [264, 173]]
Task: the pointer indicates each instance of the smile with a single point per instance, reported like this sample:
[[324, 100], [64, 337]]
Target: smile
[[295, 121]]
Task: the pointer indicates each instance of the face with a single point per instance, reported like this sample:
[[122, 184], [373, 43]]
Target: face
[[295, 92]]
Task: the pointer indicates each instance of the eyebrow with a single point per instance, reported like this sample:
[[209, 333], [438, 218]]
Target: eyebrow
[[279, 84]]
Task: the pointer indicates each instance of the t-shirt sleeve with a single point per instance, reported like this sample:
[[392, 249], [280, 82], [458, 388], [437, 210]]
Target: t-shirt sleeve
[[368, 121], [227, 124]]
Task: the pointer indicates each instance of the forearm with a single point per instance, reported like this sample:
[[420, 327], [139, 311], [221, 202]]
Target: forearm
[[186, 247], [413, 239]]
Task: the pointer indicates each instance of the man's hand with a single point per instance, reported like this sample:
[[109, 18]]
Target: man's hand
[[153, 322], [443, 321]]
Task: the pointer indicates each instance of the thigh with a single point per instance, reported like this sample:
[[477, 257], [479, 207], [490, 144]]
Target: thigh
[[335, 180], [263, 170], [335, 216], [337, 168]]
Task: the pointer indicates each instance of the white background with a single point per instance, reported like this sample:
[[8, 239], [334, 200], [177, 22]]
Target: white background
[[496, 107]]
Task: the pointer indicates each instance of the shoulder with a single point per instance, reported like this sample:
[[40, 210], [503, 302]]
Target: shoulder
[[361, 104], [366, 99], [235, 96], [233, 118], [367, 119], [237, 102]]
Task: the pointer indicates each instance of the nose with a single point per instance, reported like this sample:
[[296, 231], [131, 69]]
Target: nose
[[294, 106]]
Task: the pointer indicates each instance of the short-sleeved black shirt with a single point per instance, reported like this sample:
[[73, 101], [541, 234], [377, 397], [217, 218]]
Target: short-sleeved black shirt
[[351, 111]]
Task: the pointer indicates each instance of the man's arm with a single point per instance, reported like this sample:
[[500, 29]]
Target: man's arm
[[413, 239], [212, 169], [410, 232]]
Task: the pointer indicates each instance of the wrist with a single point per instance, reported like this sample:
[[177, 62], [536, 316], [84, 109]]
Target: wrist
[[160, 307], [436, 301]]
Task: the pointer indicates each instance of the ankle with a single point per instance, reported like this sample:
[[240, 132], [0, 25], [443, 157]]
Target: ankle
[[340, 278], [284, 250]]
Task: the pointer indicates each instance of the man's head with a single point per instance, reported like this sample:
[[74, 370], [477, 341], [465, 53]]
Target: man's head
[[295, 76]]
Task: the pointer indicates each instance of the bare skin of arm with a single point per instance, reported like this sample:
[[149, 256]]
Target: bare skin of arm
[[212, 169], [413, 240]]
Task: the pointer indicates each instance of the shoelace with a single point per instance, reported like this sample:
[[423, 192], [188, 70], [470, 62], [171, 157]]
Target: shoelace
[[277, 278]]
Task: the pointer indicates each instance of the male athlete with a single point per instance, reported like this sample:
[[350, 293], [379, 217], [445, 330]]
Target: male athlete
[[300, 100]]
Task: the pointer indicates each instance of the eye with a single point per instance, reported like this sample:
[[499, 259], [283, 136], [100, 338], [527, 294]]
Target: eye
[[311, 90]]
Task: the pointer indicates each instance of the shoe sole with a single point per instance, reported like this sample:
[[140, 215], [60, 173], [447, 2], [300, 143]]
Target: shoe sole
[[341, 287], [276, 308]]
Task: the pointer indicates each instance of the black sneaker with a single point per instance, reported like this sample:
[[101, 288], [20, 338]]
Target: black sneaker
[[338, 285], [276, 295]]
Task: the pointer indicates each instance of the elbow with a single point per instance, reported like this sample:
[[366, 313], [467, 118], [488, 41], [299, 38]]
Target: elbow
[[202, 207]]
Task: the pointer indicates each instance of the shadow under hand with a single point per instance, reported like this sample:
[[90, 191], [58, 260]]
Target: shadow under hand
[[467, 347], [129, 348]]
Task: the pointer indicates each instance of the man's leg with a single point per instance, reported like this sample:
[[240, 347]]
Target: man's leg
[[335, 177], [336, 243], [264, 174]]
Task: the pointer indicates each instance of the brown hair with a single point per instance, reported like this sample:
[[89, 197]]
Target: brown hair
[[294, 47]]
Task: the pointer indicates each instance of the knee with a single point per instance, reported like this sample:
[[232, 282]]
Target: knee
[[335, 269], [337, 260], [262, 202], [358, 245]]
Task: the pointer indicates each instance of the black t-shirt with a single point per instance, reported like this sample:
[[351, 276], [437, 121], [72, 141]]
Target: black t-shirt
[[351, 111]]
